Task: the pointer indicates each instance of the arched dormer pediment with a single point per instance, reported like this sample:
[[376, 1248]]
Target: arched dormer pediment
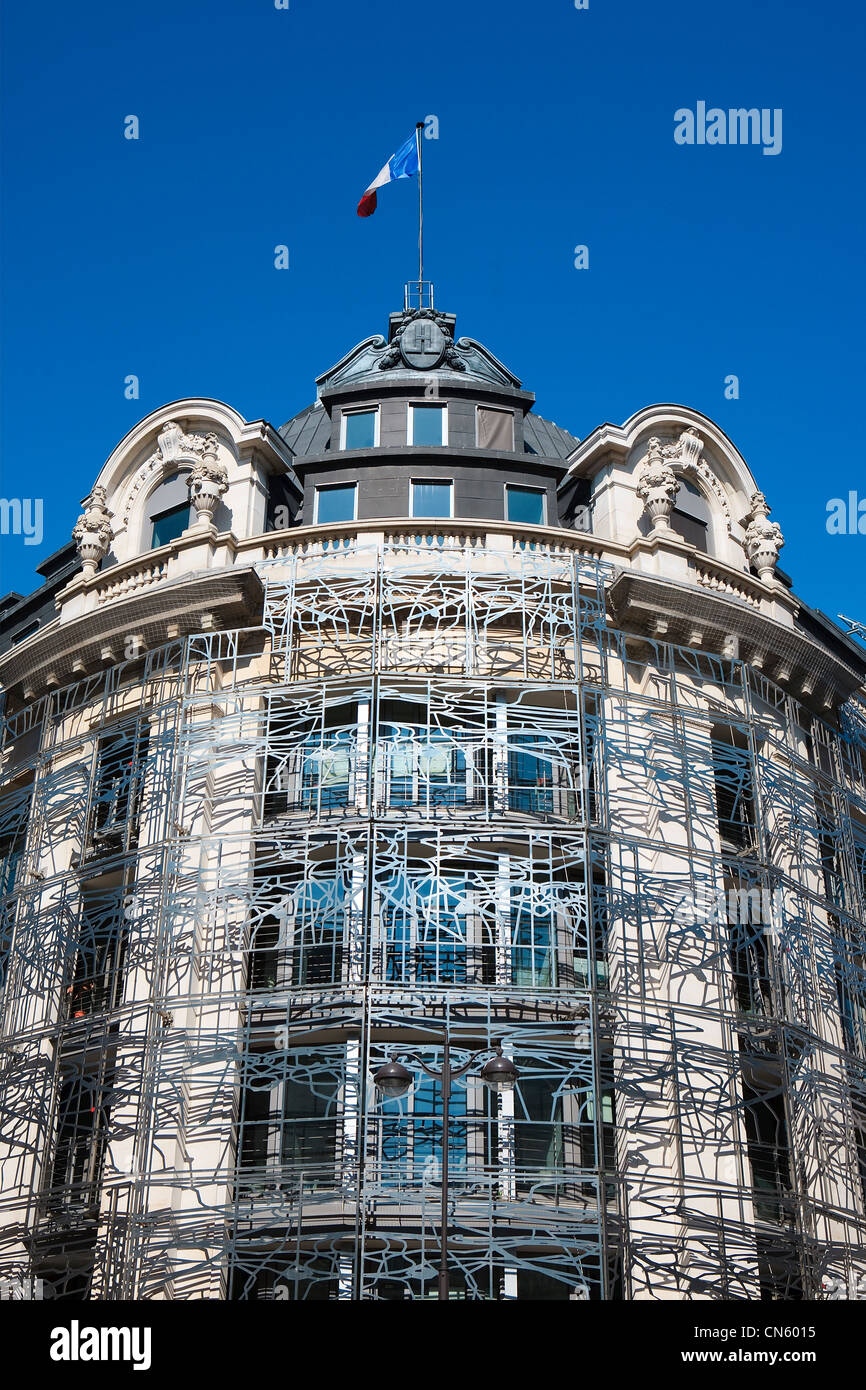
[[198, 439], [647, 455]]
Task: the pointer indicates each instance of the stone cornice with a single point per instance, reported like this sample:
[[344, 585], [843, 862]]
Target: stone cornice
[[215, 600], [444, 453], [664, 588], [728, 624]]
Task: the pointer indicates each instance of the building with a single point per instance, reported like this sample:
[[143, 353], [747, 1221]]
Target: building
[[417, 723]]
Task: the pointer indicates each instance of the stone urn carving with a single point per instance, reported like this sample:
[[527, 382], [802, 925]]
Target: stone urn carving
[[657, 487], [92, 531], [763, 539], [207, 482]]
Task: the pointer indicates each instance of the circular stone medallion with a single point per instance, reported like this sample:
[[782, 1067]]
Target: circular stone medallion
[[422, 344]]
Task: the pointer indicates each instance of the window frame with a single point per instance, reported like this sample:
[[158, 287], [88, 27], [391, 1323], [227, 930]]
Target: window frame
[[160, 516], [439, 482], [410, 423], [526, 487], [499, 410], [319, 488], [360, 410]]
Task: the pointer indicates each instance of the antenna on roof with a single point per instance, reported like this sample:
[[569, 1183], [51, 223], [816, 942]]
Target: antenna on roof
[[417, 294]]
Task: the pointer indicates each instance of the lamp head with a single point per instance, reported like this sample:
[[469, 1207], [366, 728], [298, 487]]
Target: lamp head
[[393, 1080], [499, 1073]]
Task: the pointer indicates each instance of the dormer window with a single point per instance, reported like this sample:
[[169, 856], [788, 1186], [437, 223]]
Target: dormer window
[[690, 517], [432, 498], [524, 505], [337, 502], [495, 429], [166, 512], [167, 526], [360, 429], [428, 425]]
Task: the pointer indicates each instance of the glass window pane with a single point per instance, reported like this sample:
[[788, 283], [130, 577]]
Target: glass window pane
[[170, 525], [431, 499], [525, 504], [690, 528], [361, 429], [427, 424], [335, 503]]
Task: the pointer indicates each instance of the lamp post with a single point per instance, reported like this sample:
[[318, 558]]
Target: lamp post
[[394, 1080]]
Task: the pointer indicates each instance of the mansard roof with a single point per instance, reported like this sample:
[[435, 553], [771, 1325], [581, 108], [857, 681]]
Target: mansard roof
[[308, 433]]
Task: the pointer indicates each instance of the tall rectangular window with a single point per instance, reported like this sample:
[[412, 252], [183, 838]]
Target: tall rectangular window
[[431, 498], [169, 525], [118, 781], [359, 429], [524, 505], [14, 815], [495, 429], [735, 803], [335, 503], [428, 425]]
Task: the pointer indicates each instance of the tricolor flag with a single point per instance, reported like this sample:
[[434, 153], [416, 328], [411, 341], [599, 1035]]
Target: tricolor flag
[[402, 165]]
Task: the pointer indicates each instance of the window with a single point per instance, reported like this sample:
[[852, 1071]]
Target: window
[[431, 498], [360, 429], [309, 1129], [539, 1138], [412, 1131], [95, 974], [495, 429], [690, 517], [81, 1127], [533, 962], [428, 424], [169, 525], [691, 530], [336, 502], [735, 805], [524, 504], [118, 780], [288, 1122], [319, 916], [14, 816]]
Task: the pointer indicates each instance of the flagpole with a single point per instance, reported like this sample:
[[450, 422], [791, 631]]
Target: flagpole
[[418, 128]]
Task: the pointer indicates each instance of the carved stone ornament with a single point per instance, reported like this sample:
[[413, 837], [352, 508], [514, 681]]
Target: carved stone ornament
[[173, 447], [689, 448], [207, 482], [763, 539], [92, 530], [173, 444], [422, 342], [657, 486]]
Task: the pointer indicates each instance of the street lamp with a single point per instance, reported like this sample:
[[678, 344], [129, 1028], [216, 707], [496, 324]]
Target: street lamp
[[394, 1080]]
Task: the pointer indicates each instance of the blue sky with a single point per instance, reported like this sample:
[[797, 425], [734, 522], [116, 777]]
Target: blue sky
[[261, 127]]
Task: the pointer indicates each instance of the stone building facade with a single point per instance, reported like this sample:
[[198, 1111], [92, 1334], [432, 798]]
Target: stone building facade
[[421, 724]]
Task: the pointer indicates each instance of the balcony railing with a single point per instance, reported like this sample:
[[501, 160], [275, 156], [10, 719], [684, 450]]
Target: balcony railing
[[456, 773]]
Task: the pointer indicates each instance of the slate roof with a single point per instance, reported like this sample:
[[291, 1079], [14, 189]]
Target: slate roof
[[548, 439], [308, 432]]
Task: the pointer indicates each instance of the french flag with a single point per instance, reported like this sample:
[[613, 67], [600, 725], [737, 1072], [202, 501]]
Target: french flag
[[402, 165]]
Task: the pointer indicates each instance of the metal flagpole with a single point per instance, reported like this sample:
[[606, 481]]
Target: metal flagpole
[[418, 128]]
